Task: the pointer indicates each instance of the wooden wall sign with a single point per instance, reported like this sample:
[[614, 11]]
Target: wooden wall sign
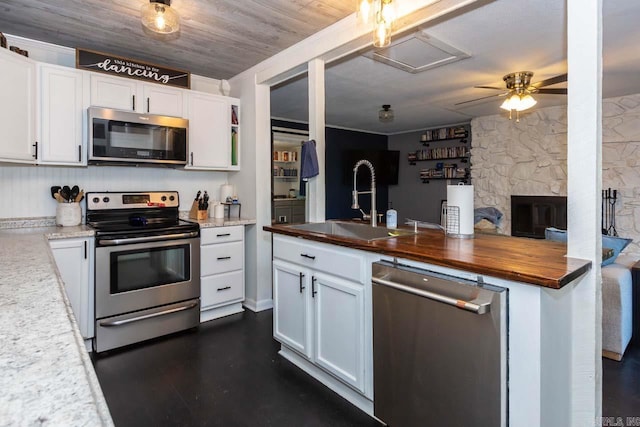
[[123, 67]]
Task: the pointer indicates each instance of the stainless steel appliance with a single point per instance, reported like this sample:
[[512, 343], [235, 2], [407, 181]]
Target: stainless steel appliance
[[440, 349], [147, 271], [123, 136]]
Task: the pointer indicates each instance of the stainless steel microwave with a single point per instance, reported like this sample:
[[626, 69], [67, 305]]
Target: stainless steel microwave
[[122, 136]]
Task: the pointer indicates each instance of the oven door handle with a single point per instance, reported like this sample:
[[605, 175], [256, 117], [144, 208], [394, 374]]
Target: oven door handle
[[129, 241], [184, 307]]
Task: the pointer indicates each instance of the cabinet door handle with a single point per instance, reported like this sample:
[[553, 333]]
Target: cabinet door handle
[[308, 256], [223, 235], [133, 102], [192, 158], [224, 289], [148, 104], [85, 249], [223, 258], [35, 156], [313, 287], [79, 153], [301, 287]]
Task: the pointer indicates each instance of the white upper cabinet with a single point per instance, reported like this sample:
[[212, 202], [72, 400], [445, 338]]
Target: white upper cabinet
[[131, 95], [163, 100], [62, 106], [209, 131], [114, 92], [18, 108]]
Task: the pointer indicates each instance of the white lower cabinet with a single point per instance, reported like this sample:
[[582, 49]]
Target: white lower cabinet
[[74, 259], [221, 271], [321, 316]]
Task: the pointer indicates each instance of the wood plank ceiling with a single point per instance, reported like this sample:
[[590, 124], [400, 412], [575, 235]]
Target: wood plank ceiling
[[218, 38]]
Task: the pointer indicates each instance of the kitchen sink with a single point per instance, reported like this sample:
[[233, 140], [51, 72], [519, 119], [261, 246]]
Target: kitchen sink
[[352, 230]]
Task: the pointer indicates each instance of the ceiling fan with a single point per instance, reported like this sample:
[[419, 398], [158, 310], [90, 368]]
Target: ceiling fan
[[519, 89]]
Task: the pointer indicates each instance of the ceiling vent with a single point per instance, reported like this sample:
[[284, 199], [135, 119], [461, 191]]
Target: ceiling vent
[[416, 53]]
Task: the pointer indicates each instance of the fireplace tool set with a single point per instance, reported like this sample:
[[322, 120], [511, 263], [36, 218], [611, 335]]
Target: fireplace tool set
[[609, 199]]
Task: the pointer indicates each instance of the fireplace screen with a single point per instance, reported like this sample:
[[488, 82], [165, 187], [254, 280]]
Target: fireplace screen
[[530, 215]]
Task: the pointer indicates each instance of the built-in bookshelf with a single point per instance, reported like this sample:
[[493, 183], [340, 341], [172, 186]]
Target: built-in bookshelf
[[442, 156]]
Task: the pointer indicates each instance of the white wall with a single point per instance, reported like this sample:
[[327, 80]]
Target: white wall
[[530, 158]]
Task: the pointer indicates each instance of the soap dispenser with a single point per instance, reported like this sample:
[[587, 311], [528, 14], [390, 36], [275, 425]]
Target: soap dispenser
[[392, 217]]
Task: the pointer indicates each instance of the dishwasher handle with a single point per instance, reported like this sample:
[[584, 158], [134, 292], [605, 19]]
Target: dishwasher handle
[[465, 305]]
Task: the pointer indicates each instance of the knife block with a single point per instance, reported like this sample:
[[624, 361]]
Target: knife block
[[197, 214]]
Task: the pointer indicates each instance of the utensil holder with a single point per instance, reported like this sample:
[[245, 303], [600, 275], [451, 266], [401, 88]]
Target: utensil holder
[[68, 214]]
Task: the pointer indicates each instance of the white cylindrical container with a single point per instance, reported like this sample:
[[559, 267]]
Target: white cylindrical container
[[68, 214], [218, 211], [226, 191], [460, 211]]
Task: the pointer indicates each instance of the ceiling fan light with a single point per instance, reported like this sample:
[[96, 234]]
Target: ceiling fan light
[[159, 17], [386, 114], [526, 102]]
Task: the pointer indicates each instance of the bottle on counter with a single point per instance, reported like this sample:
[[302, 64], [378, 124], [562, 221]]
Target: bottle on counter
[[392, 217]]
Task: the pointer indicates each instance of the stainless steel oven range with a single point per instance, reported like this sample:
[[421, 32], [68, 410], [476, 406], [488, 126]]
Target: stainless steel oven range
[[147, 271]]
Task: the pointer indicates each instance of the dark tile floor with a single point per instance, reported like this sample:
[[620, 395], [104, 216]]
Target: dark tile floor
[[228, 373], [621, 385]]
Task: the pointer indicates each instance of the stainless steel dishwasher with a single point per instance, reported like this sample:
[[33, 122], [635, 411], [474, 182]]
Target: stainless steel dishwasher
[[439, 349]]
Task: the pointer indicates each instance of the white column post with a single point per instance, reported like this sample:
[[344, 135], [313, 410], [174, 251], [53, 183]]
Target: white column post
[[316, 187], [584, 114]]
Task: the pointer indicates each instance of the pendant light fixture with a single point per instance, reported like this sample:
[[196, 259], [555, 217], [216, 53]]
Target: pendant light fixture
[[386, 114], [381, 14], [159, 17]]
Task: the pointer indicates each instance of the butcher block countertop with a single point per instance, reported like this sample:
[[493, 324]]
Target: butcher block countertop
[[531, 261]]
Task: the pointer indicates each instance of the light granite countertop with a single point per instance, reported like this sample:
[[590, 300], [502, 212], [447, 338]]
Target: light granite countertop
[[213, 222], [46, 375]]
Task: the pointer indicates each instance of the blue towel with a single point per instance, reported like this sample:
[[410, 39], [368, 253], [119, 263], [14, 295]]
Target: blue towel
[[492, 215], [308, 164]]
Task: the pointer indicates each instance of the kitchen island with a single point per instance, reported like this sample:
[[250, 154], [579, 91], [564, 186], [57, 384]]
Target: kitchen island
[[47, 376], [532, 261], [330, 336]]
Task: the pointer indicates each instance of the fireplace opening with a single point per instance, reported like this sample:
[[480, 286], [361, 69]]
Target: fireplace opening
[[530, 215]]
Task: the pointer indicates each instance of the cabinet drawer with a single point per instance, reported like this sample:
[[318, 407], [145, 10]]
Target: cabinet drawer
[[221, 234], [328, 258], [221, 258], [222, 288]]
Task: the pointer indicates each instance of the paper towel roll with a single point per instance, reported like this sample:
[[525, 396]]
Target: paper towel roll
[[460, 197], [226, 190]]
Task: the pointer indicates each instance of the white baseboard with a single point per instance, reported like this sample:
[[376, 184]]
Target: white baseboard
[[216, 313], [256, 306]]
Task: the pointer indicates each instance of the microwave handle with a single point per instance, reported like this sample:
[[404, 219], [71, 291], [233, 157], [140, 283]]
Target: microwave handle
[[133, 103]]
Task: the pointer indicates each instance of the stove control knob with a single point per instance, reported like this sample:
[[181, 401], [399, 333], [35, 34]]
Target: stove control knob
[[105, 199], [96, 200], [172, 198], [163, 198]]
